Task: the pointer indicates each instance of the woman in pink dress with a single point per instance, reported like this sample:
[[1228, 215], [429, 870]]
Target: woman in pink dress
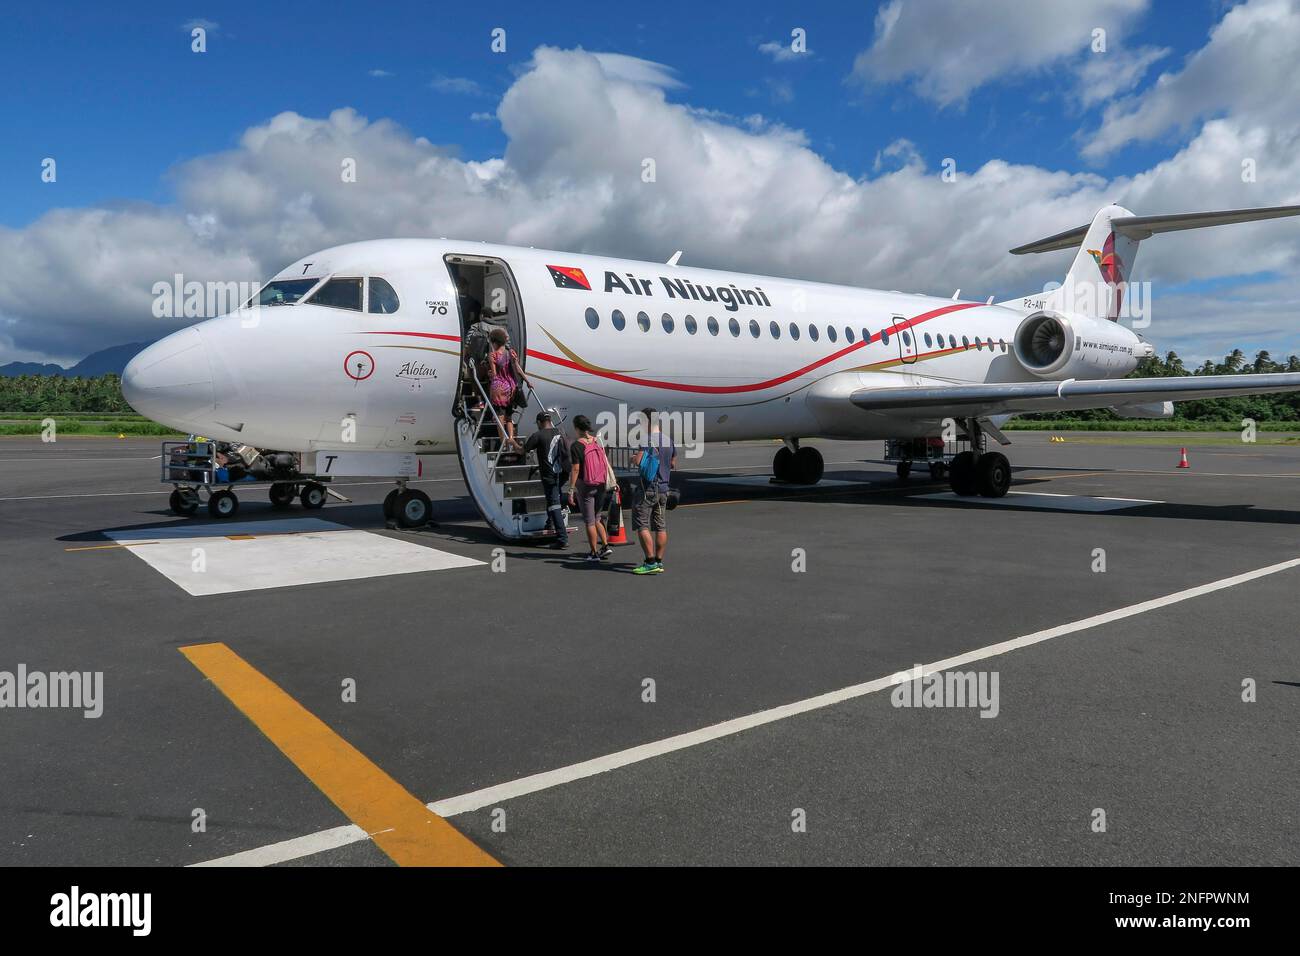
[[506, 373]]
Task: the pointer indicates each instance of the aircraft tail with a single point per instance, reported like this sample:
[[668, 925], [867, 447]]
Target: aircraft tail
[[1107, 248]]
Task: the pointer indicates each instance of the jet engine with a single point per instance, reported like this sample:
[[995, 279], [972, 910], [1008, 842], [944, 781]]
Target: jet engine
[[1057, 346]]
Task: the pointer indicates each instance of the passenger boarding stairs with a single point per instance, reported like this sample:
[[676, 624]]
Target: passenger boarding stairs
[[505, 487]]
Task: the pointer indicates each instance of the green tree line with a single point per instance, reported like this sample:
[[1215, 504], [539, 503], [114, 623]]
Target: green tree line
[[55, 394]]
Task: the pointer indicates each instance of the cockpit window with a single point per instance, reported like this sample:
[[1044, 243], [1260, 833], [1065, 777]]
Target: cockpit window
[[383, 299], [284, 291], [339, 294]]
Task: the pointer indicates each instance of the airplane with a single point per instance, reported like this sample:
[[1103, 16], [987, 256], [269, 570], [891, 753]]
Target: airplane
[[351, 360]]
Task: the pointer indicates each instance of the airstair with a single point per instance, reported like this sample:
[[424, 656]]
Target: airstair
[[505, 488]]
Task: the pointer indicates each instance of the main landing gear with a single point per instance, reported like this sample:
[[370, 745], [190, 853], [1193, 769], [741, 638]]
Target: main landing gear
[[798, 466], [987, 474]]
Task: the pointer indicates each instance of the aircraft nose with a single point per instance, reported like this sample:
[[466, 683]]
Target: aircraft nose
[[171, 380]]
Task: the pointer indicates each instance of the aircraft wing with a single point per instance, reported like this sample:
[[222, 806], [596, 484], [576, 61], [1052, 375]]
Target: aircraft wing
[[998, 398]]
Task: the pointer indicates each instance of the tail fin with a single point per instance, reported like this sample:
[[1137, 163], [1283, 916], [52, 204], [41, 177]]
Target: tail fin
[[1107, 248]]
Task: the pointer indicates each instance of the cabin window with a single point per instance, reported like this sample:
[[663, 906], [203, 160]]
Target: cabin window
[[830, 333], [593, 318], [667, 322], [1003, 343], [753, 328], [618, 320], [733, 327], [866, 335], [383, 300], [775, 329], [284, 291], [907, 338], [927, 340], [689, 322], [339, 294], [643, 322], [884, 336], [848, 334], [952, 341], [713, 325], [812, 332], [794, 331], [965, 342]]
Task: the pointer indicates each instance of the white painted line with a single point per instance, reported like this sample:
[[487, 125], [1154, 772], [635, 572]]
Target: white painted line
[[1039, 499], [477, 800], [202, 559], [293, 849], [766, 481], [126, 494]]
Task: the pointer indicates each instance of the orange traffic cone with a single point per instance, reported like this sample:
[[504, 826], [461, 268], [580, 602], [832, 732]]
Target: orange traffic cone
[[1183, 463], [615, 530]]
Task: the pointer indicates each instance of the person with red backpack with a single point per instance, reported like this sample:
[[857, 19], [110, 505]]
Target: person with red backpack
[[590, 477]]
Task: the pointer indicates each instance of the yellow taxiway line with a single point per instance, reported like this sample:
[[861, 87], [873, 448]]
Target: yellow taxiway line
[[400, 824]]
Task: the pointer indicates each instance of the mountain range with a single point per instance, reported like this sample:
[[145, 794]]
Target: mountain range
[[103, 362]]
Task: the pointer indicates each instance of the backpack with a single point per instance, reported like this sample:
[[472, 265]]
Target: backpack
[[649, 469], [555, 455], [593, 463]]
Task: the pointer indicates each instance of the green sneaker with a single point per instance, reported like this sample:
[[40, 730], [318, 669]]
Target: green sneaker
[[659, 568], [646, 567]]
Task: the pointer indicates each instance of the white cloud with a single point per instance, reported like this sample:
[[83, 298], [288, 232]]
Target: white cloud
[[483, 117], [633, 69], [744, 194], [1103, 76], [781, 52], [949, 48], [380, 74], [1250, 67], [208, 25], [458, 85]]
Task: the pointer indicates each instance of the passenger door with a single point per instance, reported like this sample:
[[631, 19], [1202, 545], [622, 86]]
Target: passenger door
[[906, 340]]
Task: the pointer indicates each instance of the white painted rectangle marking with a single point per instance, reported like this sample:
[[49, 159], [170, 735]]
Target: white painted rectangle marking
[[1038, 499], [277, 554]]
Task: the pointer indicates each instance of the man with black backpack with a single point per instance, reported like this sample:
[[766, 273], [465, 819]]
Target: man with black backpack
[[654, 463], [553, 470]]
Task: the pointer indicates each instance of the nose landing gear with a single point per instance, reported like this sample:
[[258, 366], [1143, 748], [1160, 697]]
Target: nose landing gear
[[798, 466]]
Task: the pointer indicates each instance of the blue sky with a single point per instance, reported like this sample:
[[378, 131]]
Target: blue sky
[[117, 96], [224, 165]]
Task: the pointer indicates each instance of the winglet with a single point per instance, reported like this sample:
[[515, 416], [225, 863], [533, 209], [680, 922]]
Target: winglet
[[676, 256]]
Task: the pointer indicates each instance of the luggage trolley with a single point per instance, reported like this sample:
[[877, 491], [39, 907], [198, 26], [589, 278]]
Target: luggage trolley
[[934, 452], [194, 469]]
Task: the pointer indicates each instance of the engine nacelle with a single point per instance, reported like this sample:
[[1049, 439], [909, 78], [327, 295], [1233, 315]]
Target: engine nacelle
[[1057, 346]]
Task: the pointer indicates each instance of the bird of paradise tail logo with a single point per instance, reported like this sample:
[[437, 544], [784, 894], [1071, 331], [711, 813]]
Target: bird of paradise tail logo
[[1112, 272]]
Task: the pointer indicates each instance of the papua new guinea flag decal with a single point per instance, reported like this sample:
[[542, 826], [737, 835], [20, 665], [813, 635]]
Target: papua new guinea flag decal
[[568, 277]]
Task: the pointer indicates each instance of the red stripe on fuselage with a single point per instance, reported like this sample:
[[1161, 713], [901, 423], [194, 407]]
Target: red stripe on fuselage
[[718, 389]]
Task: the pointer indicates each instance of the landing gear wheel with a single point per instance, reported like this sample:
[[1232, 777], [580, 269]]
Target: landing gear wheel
[[904, 469], [282, 495], [183, 502], [783, 465], [961, 474], [313, 495], [993, 474], [808, 466], [223, 504], [413, 508], [390, 504]]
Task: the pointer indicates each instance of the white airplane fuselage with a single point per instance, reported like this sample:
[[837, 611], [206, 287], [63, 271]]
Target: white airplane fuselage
[[757, 357]]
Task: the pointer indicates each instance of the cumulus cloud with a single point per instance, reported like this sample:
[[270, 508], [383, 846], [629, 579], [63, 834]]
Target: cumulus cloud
[[1250, 67], [744, 194], [380, 74], [949, 48]]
